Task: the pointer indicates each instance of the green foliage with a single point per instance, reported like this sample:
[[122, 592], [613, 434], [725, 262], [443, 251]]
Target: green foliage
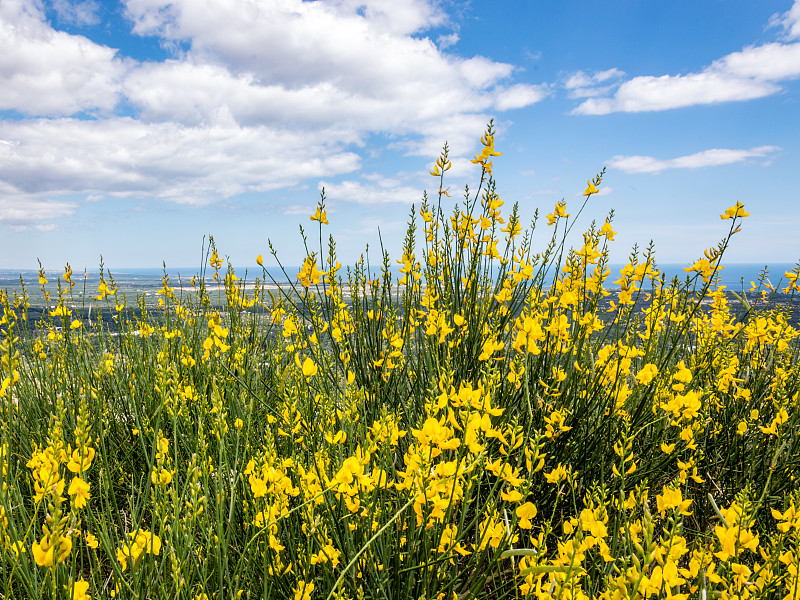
[[495, 422]]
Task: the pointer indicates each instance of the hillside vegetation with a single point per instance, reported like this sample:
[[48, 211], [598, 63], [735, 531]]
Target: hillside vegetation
[[496, 423]]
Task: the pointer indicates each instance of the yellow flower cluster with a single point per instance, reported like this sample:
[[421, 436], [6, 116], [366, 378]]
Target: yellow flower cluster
[[485, 417]]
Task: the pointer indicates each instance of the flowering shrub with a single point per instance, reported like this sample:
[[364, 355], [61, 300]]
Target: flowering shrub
[[495, 422]]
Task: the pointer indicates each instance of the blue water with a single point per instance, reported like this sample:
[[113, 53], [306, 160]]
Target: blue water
[[148, 281], [731, 276]]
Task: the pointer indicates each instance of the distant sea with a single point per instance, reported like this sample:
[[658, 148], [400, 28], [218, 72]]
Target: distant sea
[[148, 281], [731, 276]]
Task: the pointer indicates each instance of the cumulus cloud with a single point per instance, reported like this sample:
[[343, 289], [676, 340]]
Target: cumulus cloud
[[708, 158], [44, 72], [770, 62], [354, 63], [125, 157], [293, 96], [753, 72], [295, 41]]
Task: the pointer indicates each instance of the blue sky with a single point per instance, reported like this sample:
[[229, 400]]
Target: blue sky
[[132, 129]]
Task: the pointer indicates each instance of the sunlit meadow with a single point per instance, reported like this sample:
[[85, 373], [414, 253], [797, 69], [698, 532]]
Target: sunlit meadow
[[505, 419]]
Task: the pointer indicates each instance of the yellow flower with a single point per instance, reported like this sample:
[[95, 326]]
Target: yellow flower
[[592, 524], [443, 163], [487, 152], [52, 549], [607, 231], [147, 542], [260, 260], [320, 216], [303, 591], [592, 189], [702, 266], [238, 424], [309, 367], [557, 475], [80, 590], [779, 420], [122, 557], [790, 519], [258, 486], [647, 374], [672, 499], [43, 553], [667, 448], [733, 538], [309, 274], [142, 542], [80, 490], [666, 576], [81, 459], [793, 281], [163, 477], [510, 495], [60, 311], [526, 512], [734, 211], [559, 211]]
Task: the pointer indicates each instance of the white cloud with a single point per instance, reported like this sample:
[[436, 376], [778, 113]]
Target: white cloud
[[45, 72], [789, 21], [480, 72], [195, 93], [458, 130], [583, 85], [300, 43], [22, 212], [77, 13], [445, 41], [520, 95], [753, 72], [667, 92], [770, 62], [292, 96], [383, 192], [708, 158], [195, 165], [349, 62]]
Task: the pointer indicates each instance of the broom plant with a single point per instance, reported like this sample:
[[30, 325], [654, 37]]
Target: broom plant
[[492, 415]]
